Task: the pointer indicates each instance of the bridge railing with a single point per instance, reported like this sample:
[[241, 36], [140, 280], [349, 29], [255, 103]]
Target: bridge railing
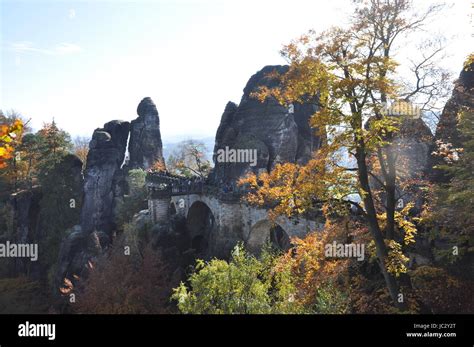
[[186, 187], [161, 184]]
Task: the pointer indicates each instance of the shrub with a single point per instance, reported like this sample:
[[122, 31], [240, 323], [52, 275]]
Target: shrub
[[135, 201], [122, 285], [441, 292], [244, 285], [22, 296]]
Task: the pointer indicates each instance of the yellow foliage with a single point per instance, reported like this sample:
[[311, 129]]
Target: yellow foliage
[[9, 138], [309, 266], [469, 61], [291, 189], [396, 260]]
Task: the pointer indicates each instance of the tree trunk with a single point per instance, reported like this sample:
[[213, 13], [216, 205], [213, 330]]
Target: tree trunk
[[374, 228], [390, 188]]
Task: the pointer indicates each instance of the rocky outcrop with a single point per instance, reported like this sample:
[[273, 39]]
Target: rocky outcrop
[[26, 221], [104, 181], [78, 248], [104, 187], [41, 212], [410, 147], [447, 129], [413, 143], [145, 146], [278, 133]]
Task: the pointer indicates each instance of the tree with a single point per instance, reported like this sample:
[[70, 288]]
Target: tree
[[53, 144], [13, 128], [452, 207], [244, 285], [189, 160], [131, 277], [11, 116], [353, 75], [81, 148], [136, 199], [29, 156], [10, 136], [322, 285], [60, 206], [10, 139], [34, 155], [117, 285]]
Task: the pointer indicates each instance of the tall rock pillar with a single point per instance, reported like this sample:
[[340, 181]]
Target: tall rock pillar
[[145, 146]]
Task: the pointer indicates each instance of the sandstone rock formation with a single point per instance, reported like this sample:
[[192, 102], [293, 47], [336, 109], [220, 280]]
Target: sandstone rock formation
[[103, 176], [145, 146], [77, 249], [105, 185], [447, 128], [413, 144], [278, 133], [26, 220], [36, 211]]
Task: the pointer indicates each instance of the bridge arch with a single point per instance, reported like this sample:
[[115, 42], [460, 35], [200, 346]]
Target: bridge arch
[[267, 231], [200, 223]]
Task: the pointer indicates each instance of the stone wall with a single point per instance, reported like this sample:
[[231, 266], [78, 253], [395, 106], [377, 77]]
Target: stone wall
[[159, 210], [236, 221]]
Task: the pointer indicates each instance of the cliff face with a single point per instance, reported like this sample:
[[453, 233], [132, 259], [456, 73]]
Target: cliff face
[[278, 134], [26, 217], [145, 146], [447, 129], [105, 179], [105, 185], [36, 211], [413, 144], [103, 176]]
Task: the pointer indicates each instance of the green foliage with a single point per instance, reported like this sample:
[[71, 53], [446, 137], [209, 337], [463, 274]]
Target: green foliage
[[60, 207], [136, 180], [452, 212], [135, 201], [34, 157], [330, 300], [52, 144], [43, 159], [244, 285]]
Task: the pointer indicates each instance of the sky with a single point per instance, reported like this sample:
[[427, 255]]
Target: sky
[[85, 63]]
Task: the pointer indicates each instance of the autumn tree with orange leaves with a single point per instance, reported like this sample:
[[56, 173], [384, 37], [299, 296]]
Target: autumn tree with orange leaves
[[353, 75], [10, 136]]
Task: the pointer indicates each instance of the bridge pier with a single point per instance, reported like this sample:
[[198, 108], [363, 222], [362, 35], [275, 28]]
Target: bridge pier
[[159, 198], [159, 210]]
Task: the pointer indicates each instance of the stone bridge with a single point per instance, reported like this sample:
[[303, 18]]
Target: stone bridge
[[217, 220]]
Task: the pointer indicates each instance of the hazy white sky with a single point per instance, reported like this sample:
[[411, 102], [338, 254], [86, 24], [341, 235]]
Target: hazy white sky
[[87, 62]]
